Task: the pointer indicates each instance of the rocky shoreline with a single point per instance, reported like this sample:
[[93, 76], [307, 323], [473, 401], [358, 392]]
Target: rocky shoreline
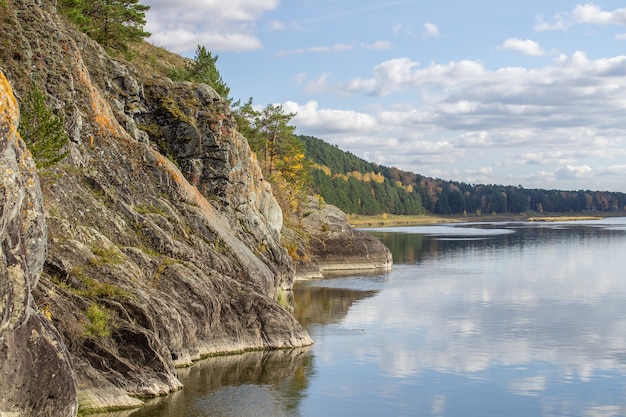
[[154, 243]]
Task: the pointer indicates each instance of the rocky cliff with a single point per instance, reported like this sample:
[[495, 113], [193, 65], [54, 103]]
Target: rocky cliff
[[35, 366], [155, 242], [162, 236]]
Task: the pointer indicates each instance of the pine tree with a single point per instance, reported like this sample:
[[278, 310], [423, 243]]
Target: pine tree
[[203, 69], [112, 23], [42, 130]]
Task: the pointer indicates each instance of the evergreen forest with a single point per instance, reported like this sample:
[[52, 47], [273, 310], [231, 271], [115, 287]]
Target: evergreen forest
[[360, 187]]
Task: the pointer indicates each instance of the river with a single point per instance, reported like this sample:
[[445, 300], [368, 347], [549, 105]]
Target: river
[[476, 319]]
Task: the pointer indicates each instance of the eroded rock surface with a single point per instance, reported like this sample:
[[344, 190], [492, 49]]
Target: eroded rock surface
[[163, 237], [35, 368], [332, 246]]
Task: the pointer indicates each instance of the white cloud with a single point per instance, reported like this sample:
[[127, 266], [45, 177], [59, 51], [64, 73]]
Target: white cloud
[[186, 41], [328, 120], [572, 91], [184, 24], [318, 85], [590, 14], [338, 47], [593, 14], [560, 23], [299, 78], [321, 49], [615, 170], [574, 172], [524, 46], [431, 30], [482, 175], [276, 25], [566, 117], [377, 46]]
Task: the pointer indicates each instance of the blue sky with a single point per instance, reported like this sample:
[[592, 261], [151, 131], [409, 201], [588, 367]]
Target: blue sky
[[526, 93]]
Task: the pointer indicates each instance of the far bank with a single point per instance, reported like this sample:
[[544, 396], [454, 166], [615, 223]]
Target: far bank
[[390, 220]]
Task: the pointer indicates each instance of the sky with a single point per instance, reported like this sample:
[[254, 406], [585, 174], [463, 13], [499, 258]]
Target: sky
[[529, 93]]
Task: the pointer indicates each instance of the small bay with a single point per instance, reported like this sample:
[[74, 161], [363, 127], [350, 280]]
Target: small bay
[[475, 319]]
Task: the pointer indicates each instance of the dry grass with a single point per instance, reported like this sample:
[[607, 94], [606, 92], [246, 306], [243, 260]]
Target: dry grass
[[563, 218], [385, 220], [358, 220], [151, 59]]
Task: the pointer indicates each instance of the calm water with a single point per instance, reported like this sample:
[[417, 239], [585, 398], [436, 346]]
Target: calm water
[[506, 319]]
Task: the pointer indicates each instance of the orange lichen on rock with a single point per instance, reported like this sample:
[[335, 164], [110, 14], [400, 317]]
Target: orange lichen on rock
[[9, 110], [106, 122]]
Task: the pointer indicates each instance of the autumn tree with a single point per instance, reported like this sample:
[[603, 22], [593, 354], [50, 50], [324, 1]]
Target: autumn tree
[[281, 153]]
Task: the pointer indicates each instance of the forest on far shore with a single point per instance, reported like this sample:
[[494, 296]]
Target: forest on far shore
[[360, 187]]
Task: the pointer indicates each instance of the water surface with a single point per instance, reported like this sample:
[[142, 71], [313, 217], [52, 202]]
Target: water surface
[[476, 319]]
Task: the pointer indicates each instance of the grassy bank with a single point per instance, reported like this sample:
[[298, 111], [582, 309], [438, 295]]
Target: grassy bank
[[389, 220], [358, 220], [563, 218]]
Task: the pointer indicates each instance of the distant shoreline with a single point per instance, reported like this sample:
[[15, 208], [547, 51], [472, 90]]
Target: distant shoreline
[[390, 220]]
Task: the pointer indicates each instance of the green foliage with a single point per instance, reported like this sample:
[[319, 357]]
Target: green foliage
[[99, 319], [148, 209], [246, 116], [42, 130], [203, 69], [280, 152], [112, 23], [401, 192], [339, 161], [357, 186], [107, 255]]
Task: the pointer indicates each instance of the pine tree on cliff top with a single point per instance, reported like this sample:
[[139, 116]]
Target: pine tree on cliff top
[[112, 23]]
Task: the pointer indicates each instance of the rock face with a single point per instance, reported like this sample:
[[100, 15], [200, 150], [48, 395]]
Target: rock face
[[35, 367], [163, 239], [334, 247]]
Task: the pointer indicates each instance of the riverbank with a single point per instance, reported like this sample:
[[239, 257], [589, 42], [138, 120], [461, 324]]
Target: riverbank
[[390, 220]]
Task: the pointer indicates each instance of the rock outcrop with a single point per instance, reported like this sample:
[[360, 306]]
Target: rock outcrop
[[35, 366], [163, 241], [332, 247]]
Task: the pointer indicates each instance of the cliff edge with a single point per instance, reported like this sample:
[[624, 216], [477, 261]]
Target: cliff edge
[[35, 366], [163, 239]]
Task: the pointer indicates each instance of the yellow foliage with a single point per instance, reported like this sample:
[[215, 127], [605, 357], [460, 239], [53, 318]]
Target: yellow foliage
[[326, 170], [367, 177], [45, 310], [357, 175], [379, 178]]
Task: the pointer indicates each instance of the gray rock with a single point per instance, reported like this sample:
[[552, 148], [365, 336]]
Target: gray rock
[[35, 367], [335, 247], [163, 237]]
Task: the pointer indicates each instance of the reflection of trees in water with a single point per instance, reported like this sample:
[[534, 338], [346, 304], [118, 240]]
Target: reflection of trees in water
[[323, 305], [286, 372]]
